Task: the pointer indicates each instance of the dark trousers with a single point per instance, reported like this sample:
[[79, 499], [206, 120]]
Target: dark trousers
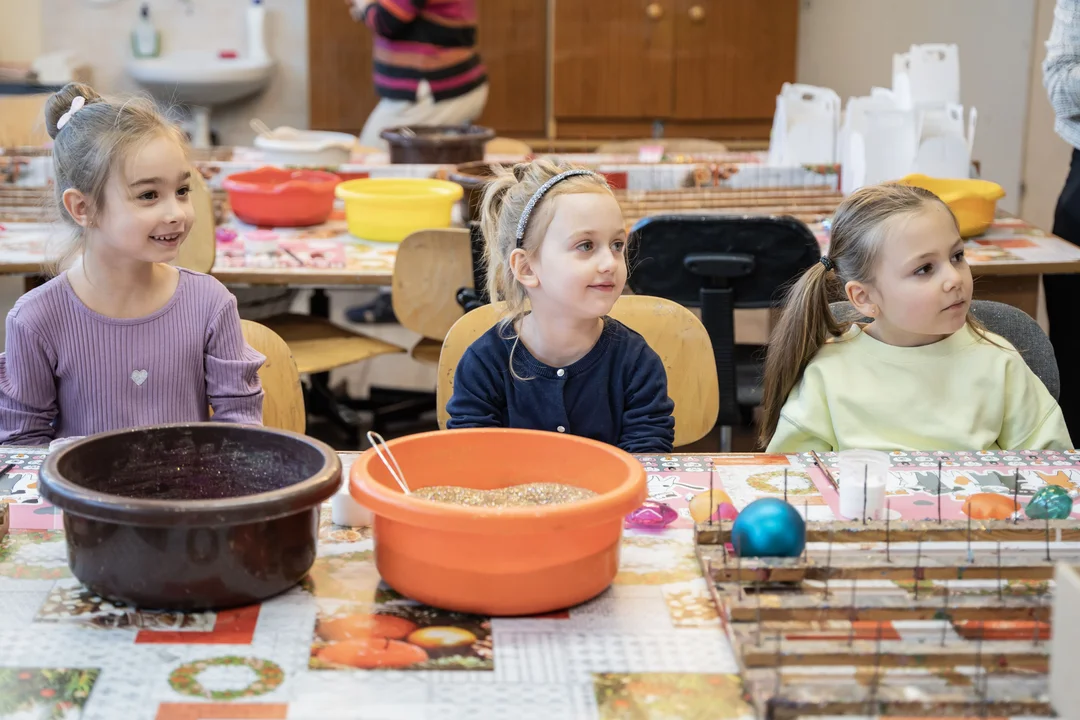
[[1062, 299]]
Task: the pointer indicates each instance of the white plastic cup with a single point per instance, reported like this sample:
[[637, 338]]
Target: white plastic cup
[[345, 511], [261, 242], [861, 469], [60, 443]]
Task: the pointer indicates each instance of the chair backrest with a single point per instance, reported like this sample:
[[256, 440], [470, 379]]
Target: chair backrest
[[22, 120], [1009, 322], [283, 398], [720, 263], [198, 251], [429, 269], [507, 146], [676, 335]]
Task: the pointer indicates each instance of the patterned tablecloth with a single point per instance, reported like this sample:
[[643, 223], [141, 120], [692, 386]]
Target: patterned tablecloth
[[651, 646]]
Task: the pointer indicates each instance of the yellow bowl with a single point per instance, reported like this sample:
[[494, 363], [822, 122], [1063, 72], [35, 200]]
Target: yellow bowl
[[390, 209], [973, 202]]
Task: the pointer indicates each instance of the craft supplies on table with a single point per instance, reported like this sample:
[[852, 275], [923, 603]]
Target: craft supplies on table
[[653, 643]]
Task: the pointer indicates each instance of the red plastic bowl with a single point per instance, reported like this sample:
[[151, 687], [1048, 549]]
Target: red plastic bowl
[[273, 197]]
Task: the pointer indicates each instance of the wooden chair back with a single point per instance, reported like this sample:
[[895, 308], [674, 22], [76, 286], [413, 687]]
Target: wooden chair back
[[676, 335], [22, 120], [507, 146], [430, 267], [283, 401], [198, 251]]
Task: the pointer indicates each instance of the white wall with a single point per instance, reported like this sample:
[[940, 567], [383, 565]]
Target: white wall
[[20, 30], [848, 45], [100, 34]]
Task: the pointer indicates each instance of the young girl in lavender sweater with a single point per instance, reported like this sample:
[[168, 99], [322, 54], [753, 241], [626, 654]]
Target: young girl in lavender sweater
[[122, 339]]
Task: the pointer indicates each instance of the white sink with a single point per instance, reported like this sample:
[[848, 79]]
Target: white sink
[[201, 80]]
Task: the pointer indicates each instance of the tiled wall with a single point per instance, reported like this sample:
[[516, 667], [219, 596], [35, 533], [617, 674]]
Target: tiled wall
[[100, 32]]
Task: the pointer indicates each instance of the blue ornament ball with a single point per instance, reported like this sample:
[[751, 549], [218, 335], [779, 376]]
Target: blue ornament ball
[[768, 527]]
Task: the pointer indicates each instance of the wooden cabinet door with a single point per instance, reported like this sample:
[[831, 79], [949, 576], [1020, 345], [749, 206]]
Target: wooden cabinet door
[[341, 92], [513, 45], [732, 56], [613, 58]]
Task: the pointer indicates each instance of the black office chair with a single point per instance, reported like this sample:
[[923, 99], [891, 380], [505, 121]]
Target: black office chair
[[477, 295], [720, 263]]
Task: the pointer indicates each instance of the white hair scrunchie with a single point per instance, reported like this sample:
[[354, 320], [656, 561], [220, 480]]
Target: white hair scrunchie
[[76, 105]]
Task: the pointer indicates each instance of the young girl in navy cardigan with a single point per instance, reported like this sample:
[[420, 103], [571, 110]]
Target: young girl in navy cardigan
[[556, 254]]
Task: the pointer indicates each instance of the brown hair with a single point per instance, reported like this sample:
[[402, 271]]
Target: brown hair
[[94, 142], [806, 322]]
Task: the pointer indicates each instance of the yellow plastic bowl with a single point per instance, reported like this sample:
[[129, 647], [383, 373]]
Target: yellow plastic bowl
[[390, 209], [973, 202]]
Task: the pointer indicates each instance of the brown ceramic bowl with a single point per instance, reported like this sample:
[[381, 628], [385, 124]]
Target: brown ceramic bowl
[[191, 516], [437, 144], [472, 176]]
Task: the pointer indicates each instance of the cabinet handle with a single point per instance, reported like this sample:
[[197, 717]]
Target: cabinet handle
[[697, 13], [655, 11]]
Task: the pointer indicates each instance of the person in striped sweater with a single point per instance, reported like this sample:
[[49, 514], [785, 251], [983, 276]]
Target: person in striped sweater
[[427, 69]]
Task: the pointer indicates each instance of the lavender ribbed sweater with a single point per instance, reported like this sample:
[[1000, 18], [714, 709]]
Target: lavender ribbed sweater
[[69, 371]]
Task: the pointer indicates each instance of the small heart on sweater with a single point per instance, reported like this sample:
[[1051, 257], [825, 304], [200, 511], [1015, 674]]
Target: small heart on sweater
[[138, 376]]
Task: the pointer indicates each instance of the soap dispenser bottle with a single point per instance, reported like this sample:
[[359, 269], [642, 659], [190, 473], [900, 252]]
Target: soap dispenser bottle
[[256, 31], [145, 39]]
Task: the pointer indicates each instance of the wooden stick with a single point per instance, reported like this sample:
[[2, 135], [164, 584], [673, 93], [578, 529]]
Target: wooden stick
[[806, 519], [945, 614], [738, 570], [828, 566], [1016, 495], [851, 624], [712, 475], [1001, 654], [939, 491], [810, 608], [757, 593], [888, 514], [1001, 588], [917, 575], [914, 693], [824, 470], [912, 530], [877, 672], [946, 564], [865, 490]]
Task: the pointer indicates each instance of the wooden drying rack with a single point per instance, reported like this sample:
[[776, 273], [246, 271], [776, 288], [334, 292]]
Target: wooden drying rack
[[814, 635]]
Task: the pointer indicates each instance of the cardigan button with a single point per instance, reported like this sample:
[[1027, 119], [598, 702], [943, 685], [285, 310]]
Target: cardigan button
[[560, 372], [561, 429]]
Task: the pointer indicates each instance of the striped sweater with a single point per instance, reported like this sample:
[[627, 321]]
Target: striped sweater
[[433, 40], [69, 371]]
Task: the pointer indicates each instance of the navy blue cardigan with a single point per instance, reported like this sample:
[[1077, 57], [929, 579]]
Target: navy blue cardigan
[[617, 393]]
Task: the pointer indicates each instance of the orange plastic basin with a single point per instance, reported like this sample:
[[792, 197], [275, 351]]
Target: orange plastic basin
[[272, 197], [499, 561]]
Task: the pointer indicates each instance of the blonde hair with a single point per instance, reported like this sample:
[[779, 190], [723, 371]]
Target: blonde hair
[[505, 198], [859, 229], [92, 144]]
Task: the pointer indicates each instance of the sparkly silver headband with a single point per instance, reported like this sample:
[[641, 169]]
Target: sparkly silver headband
[[539, 195]]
